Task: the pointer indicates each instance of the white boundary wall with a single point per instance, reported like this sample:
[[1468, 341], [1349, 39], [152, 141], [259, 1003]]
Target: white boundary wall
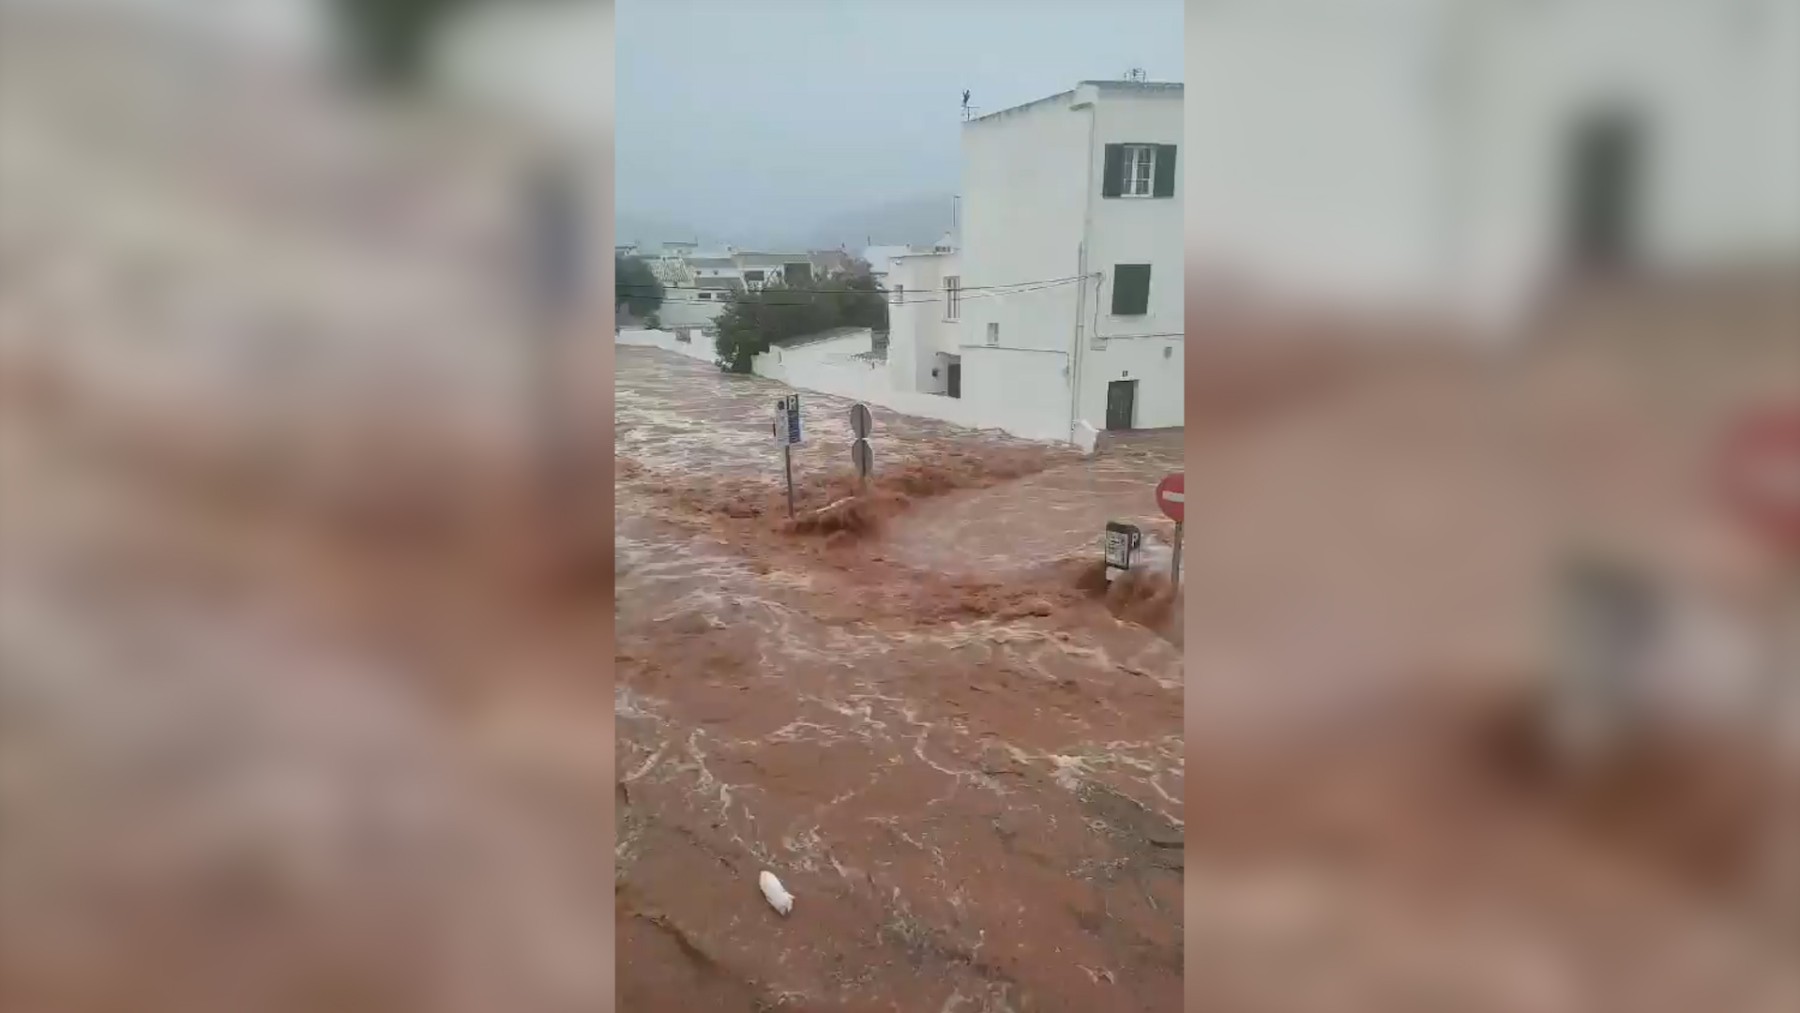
[[832, 367]]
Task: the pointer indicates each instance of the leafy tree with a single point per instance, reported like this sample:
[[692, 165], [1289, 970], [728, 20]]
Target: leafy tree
[[755, 320], [635, 288]]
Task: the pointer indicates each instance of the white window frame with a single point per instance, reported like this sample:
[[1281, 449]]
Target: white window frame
[[1140, 169], [952, 297]]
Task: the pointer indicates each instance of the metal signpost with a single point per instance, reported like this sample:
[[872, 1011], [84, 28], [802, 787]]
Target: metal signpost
[[1171, 496], [861, 454], [787, 436]]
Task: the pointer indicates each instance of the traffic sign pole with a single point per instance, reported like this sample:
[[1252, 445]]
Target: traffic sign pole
[[1171, 497], [787, 467], [1175, 565]]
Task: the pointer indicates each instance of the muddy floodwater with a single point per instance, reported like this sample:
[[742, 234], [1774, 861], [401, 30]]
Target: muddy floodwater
[[915, 709]]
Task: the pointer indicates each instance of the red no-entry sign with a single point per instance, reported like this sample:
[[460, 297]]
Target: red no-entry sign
[[1171, 496], [1760, 474]]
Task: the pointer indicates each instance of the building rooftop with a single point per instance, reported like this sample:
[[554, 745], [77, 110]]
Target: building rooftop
[[770, 259], [1120, 85]]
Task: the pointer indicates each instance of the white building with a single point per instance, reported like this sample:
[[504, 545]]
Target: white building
[[924, 310], [880, 260], [1064, 303], [1462, 158], [759, 269]]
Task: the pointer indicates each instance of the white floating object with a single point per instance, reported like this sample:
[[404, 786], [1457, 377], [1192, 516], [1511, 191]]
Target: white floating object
[[779, 898]]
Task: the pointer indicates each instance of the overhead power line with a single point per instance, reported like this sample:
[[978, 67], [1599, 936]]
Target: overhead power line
[[689, 296], [829, 291]]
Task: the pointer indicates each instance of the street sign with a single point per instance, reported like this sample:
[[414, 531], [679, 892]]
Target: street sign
[[861, 422], [1171, 495], [1760, 474], [787, 421], [863, 456]]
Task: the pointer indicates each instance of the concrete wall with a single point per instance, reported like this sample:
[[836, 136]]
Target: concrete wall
[[1025, 392], [1023, 189], [698, 346], [682, 308]]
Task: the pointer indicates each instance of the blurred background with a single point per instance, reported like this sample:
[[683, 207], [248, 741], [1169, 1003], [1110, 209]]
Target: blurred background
[[1493, 698], [1491, 671], [277, 309]]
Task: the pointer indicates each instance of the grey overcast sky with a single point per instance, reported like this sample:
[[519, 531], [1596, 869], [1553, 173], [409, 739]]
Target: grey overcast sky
[[750, 119]]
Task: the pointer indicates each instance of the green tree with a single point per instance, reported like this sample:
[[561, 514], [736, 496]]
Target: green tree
[[756, 320], [635, 288]]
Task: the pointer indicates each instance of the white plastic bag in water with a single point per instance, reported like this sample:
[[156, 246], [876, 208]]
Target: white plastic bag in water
[[779, 898]]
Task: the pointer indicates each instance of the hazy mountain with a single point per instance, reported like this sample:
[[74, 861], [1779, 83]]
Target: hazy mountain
[[650, 231], [912, 220]]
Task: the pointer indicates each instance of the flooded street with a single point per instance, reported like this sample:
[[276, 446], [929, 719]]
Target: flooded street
[[966, 769]]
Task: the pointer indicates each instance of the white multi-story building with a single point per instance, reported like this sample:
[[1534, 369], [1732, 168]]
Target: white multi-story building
[[1064, 303], [1464, 158]]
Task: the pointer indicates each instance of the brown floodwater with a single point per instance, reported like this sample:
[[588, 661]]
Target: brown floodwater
[[966, 768]]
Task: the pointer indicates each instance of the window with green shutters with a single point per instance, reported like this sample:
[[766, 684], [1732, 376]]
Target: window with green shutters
[[1131, 290], [1138, 170]]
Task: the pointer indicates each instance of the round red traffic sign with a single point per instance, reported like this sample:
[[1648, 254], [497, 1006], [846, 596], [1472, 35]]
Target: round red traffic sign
[[1760, 473], [1171, 496]]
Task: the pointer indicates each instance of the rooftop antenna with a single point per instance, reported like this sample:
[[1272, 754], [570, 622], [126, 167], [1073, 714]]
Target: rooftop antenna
[[965, 105]]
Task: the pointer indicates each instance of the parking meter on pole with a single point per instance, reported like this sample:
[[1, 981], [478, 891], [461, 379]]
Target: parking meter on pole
[[1120, 546], [787, 434]]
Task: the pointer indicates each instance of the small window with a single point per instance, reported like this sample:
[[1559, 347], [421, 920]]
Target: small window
[[993, 333], [706, 297], [952, 297], [753, 275], [899, 295], [1140, 169], [1131, 290]]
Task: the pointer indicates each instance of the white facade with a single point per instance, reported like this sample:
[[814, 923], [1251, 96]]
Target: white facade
[[1423, 154], [1041, 338], [921, 307]]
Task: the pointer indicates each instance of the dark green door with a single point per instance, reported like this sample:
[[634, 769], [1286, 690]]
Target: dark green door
[[1121, 404]]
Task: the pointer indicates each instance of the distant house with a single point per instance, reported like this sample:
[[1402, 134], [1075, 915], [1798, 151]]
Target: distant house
[[759, 269], [829, 262], [1064, 302], [714, 265]]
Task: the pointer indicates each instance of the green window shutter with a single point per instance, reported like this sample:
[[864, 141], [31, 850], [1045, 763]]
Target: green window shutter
[[1131, 290], [1112, 182], [1165, 171]]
